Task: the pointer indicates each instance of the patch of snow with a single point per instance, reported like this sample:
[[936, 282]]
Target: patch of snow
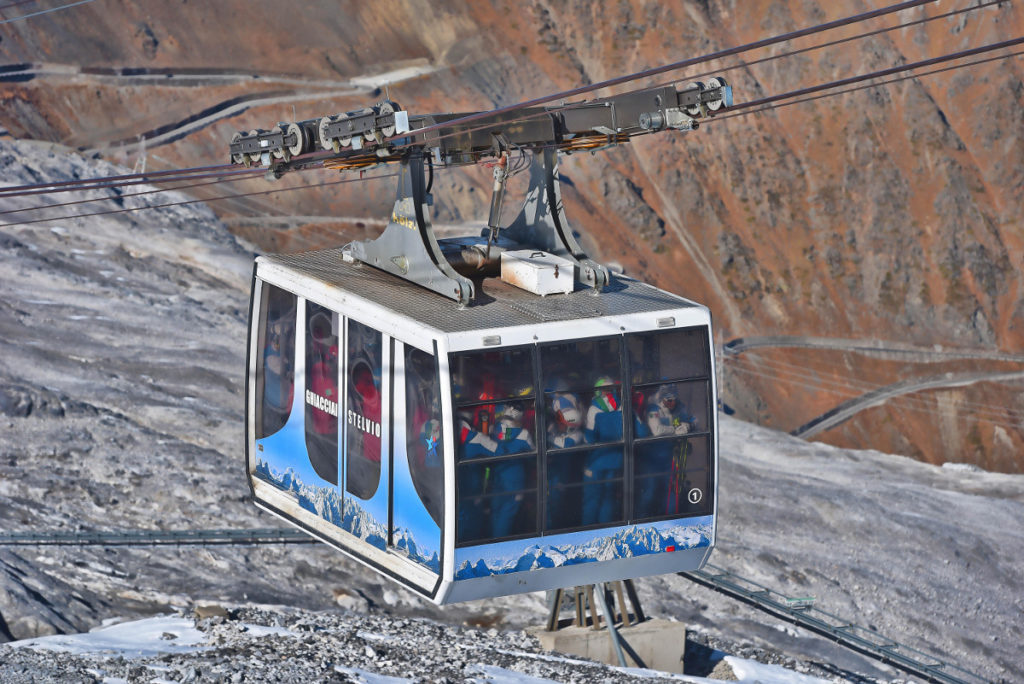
[[265, 630], [962, 467], [491, 674], [396, 76], [753, 671], [371, 636], [364, 677], [137, 639]]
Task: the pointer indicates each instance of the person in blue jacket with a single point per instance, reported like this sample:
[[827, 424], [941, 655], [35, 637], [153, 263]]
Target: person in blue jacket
[[508, 478], [664, 460], [474, 442], [602, 499], [565, 429]]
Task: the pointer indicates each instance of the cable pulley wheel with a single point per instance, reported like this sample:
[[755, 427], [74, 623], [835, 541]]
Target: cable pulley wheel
[[369, 136], [255, 157], [343, 140], [301, 140], [325, 142], [694, 110], [278, 152], [384, 109], [239, 157], [716, 82]]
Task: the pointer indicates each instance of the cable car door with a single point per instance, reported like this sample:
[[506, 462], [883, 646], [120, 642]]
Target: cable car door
[[297, 402], [367, 425]]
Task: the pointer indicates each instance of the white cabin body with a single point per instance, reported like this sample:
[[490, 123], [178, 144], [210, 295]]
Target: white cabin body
[[519, 444]]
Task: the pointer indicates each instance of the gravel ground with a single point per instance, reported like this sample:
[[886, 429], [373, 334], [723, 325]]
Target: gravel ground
[[280, 644]]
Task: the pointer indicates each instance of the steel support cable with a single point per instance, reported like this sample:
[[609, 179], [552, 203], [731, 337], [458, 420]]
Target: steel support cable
[[854, 637], [256, 173], [867, 86], [554, 110], [196, 201], [636, 76], [46, 11], [17, 189], [899, 399], [818, 88], [732, 113], [856, 387], [734, 110], [103, 183], [222, 537], [15, 4], [831, 43]]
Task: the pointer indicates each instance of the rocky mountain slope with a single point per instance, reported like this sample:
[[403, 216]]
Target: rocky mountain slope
[[121, 371], [888, 214]]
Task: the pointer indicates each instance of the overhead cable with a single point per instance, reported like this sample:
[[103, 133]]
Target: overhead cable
[[831, 43], [195, 201], [682, 64], [876, 74], [219, 179], [890, 81], [46, 11], [853, 388], [150, 175]]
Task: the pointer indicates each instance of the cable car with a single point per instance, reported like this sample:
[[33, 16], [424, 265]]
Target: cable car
[[486, 415]]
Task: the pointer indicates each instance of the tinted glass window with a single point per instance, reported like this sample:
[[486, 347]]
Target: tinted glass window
[[322, 390], [363, 414], [584, 487], [275, 378], [672, 477], [497, 451], [671, 408], [673, 354], [424, 442], [492, 375], [671, 414], [582, 406]]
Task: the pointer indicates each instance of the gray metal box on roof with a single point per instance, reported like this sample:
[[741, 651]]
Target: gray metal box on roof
[[497, 305]]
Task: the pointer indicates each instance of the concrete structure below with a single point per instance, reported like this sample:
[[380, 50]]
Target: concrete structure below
[[660, 644]]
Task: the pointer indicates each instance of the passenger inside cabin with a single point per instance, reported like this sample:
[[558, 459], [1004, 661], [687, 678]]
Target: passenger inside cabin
[[278, 360], [423, 431], [278, 387], [474, 442], [603, 465], [665, 461], [508, 477], [565, 429]]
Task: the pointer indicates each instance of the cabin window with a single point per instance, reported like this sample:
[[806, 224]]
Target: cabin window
[[276, 356], [424, 444], [497, 453], [574, 401], [363, 414], [322, 391], [671, 409], [583, 407]]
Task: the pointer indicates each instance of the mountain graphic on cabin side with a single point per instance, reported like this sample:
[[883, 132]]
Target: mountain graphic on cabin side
[[626, 542], [346, 513]]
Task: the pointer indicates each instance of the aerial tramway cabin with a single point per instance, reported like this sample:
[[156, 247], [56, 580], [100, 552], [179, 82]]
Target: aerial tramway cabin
[[366, 393], [482, 416]]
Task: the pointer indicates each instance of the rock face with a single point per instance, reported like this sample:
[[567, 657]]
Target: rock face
[[121, 407], [889, 213]]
